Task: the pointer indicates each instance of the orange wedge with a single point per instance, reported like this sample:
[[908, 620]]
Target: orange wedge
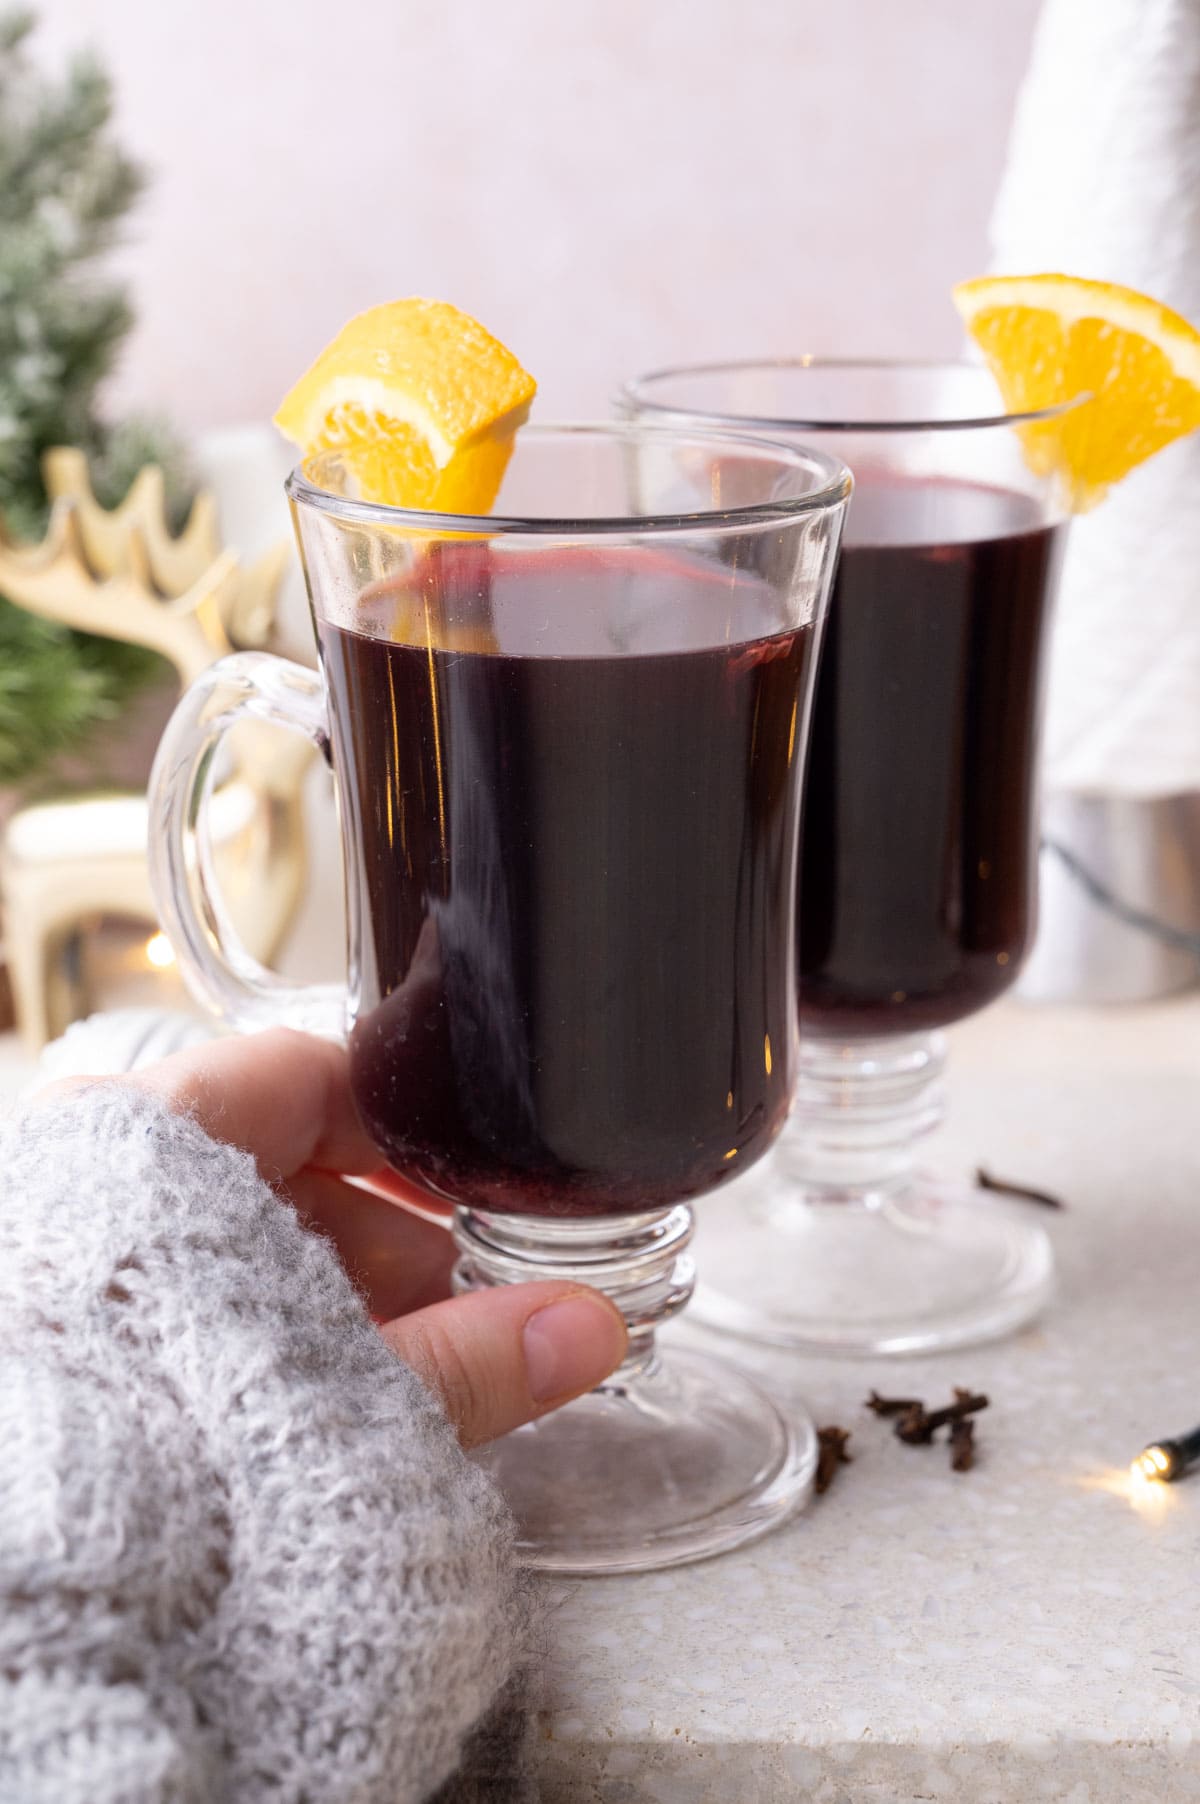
[[421, 402], [1050, 338]]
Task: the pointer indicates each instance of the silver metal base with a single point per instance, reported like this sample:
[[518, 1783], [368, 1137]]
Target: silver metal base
[[1119, 884]]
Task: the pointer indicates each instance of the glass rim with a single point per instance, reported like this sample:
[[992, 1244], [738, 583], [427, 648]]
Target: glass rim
[[834, 484], [633, 392]]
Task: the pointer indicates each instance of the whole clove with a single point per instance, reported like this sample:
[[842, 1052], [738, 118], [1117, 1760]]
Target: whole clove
[[1044, 1198], [914, 1426], [891, 1406], [962, 1444], [831, 1453], [917, 1426]]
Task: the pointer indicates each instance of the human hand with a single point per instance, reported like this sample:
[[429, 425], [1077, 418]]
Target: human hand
[[496, 1357]]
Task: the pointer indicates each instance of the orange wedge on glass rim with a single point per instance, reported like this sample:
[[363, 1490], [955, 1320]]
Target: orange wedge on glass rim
[[421, 403], [1051, 338]]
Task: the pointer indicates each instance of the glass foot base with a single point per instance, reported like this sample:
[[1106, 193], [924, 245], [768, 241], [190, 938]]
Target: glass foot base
[[947, 1267], [683, 1459]]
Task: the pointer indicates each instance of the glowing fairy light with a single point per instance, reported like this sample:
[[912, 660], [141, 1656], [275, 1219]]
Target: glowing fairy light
[[1162, 1462], [160, 954]]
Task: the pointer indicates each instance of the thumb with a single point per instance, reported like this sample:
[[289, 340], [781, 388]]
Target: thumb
[[503, 1356]]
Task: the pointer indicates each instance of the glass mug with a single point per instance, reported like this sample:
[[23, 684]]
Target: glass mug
[[568, 741], [917, 896]]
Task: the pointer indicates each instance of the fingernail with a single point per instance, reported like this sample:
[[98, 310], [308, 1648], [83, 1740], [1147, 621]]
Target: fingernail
[[570, 1346]]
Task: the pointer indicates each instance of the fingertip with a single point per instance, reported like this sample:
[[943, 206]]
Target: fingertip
[[571, 1345], [500, 1357]]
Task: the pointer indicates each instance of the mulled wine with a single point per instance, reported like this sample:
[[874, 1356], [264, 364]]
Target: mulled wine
[[570, 875], [916, 899]]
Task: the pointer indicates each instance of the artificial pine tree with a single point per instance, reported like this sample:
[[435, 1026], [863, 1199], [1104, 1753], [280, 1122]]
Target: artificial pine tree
[[65, 187]]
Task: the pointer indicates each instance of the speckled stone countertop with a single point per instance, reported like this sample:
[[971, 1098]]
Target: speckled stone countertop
[[1027, 1631]]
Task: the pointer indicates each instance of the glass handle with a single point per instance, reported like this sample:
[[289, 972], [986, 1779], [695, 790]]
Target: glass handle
[[218, 969]]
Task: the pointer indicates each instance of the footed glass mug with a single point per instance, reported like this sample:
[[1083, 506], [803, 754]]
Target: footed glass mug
[[568, 741], [918, 853]]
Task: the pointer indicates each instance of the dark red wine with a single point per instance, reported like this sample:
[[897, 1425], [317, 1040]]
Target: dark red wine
[[572, 879], [917, 862]]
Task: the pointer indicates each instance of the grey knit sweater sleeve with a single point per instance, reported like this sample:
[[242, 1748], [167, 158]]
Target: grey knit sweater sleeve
[[241, 1555]]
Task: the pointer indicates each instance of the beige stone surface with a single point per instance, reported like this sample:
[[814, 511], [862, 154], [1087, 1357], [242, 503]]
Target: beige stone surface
[[1027, 1631]]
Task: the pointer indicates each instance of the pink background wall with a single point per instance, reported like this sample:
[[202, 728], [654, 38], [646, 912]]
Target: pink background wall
[[609, 184]]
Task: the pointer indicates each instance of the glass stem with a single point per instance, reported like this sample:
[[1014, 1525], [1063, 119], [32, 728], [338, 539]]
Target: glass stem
[[642, 1262], [861, 1107]]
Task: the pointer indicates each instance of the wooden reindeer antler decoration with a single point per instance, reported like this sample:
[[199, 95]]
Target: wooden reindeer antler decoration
[[68, 861], [54, 579], [175, 564], [121, 575]]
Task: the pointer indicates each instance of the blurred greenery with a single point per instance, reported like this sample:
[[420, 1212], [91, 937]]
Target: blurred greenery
[[65, 188]]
